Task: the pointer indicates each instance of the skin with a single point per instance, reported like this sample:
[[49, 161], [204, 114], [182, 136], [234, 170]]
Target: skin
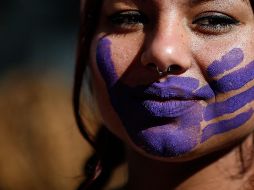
[[203, 135]]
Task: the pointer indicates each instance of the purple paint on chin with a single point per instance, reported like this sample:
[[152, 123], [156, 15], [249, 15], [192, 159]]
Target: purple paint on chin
[[229, 61], [171, 128], [170, 140]]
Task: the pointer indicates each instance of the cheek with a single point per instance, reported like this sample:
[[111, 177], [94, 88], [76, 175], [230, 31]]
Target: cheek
[[108, 65], [208, 50], [118, 53], [104, 76], [108, 115], [232, 81]]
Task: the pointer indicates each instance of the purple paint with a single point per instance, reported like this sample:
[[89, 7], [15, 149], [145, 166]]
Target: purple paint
[[234, 80], [103, 55], [173, 88], [164, 118], [173, 139], [230, 105], [225, 125], [186, 83], [228, 61], [168, 109], [206, 92], [139, 115]]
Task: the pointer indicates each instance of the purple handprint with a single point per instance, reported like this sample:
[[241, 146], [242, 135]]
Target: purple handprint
[[233, 81], [165, 118]]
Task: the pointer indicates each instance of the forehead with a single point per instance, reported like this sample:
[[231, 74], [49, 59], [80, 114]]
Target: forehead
[[190, 2], [165, 5]]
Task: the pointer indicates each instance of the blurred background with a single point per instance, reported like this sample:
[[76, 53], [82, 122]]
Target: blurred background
[[40, 146], [39, 34]]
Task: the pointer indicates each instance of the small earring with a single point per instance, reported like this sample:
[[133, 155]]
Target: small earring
[[161, 73]]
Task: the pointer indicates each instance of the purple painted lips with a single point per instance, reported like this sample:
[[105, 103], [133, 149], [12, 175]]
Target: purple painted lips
[[166, 102], [167, 109], [169, 99]]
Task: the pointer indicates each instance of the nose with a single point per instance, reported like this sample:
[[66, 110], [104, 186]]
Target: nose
[[167, 49]]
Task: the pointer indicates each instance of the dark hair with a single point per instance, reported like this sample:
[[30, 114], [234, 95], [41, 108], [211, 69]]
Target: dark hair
[[99, 166], [109, 150]]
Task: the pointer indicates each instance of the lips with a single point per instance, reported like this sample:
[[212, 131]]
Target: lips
[[157, 102], [170, 89], [167, 101], [167, 109]]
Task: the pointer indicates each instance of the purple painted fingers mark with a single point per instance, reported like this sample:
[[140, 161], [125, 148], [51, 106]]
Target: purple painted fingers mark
[[205, 92], [105, 63], [234, 80], [225, 125], [227, 62], [229, 106]]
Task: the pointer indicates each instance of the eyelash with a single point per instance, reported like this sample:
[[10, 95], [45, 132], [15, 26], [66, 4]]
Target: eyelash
[[214, 23], [207, 23], [128, 20]]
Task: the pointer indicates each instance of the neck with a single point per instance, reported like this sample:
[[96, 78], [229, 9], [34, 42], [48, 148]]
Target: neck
[[222, 170]]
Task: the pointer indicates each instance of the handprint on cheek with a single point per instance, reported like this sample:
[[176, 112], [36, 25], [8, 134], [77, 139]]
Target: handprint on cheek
[[232, 81], [164, 126]]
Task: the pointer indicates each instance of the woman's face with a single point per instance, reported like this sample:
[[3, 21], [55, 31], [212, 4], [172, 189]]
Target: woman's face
[[204, 103]]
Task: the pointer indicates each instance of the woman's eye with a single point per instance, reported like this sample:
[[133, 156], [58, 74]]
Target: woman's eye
[[128, 19], [214, 23]]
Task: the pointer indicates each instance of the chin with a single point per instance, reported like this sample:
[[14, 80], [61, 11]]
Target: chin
[[212, 149]]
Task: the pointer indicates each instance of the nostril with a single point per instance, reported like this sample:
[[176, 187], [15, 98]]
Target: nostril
[[151, 65], [175, 69]]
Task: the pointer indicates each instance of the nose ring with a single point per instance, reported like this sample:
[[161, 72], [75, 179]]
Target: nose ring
[[161, 73]]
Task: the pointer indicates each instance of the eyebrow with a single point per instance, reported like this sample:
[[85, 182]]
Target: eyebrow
[[196, 2], [192, 3], [130, 1]]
